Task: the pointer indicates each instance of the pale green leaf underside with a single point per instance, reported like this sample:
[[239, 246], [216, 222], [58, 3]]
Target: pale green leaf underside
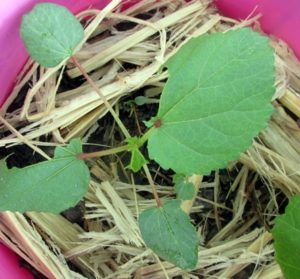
[[50, 186], [50, 33], [216, 100], [168, 232], [286, 234]]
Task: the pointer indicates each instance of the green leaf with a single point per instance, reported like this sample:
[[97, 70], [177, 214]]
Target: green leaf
[[185, 190], [50, 33], [217, 98], [168, 232], [178, 178], [142, 100], [286, 234], [50, 186], [134, 143], [137, 160]]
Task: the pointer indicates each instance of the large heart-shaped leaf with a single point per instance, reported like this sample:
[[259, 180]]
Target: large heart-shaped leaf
[[217, 98], [50, 186], [168, 231], [50, 33], [286, 235]]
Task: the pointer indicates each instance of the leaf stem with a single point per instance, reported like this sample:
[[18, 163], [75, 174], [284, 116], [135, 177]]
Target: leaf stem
[[102, 153], [145, 136], [152, 184], [98, 91]]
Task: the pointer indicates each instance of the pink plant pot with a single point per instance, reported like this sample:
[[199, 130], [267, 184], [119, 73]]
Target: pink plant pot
[[10, 267], [279, 18]]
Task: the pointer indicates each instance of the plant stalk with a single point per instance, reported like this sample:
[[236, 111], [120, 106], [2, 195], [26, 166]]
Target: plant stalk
[[98, 91], [152, 184], [145, 136], [103, 152]]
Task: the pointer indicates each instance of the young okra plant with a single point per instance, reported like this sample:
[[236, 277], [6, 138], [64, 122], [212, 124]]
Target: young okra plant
[[216, 100]]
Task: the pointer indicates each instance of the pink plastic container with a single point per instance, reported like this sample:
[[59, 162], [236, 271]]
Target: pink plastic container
[[280, 18], [10, 267]]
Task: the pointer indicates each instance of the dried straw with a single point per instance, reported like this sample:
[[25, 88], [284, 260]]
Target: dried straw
[[110, 245]]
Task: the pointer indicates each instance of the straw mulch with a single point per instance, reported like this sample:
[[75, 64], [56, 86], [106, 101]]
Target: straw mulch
[[234, 209]]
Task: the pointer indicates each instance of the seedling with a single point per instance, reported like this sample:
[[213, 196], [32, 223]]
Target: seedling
[[217, 98]]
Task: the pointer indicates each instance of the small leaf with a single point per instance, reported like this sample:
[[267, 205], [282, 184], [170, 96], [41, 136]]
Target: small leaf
[[168, 231], [185, 190], [137, 160], [149, 123], [50, 186], [286, 234], [50, 33], [142, 100], [217, 98]]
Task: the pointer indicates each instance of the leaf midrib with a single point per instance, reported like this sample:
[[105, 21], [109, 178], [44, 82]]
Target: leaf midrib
[[172, 232]]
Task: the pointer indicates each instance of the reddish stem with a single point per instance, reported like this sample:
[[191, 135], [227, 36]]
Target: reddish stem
[[98, 91]]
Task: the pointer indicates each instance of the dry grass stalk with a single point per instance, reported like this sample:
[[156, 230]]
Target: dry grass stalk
[[111, 246], [25, 240]]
